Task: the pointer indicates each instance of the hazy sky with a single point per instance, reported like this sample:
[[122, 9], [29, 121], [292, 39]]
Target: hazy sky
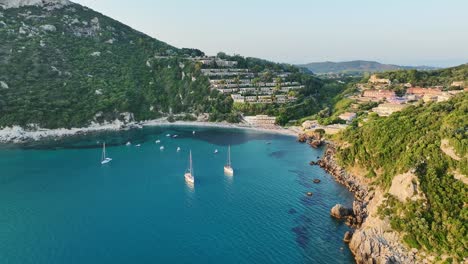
[[409, 32]]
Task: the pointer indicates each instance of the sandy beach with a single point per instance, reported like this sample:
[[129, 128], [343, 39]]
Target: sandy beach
[[17, 134]]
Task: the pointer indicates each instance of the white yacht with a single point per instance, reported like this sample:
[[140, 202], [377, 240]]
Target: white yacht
[[189, 174], [178, 149], [157, 141], [161, 148], [104, 158]]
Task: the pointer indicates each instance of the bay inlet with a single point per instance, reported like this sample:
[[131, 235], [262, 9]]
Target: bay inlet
[[58, 204]]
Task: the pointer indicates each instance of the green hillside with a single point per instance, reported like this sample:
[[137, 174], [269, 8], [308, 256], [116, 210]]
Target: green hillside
[[62, 67], [410, 141], [443, 77]]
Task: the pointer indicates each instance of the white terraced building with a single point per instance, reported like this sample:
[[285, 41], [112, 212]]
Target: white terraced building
[[261, 120]]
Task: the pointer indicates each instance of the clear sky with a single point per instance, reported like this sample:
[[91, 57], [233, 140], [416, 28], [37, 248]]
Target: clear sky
[[406, 32]]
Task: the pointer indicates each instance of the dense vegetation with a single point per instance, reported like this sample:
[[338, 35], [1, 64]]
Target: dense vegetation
[[410, 141], [443, 77], [70, 66]]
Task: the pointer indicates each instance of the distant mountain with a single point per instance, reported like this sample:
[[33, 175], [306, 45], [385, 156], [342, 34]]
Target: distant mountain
[[356, 67]]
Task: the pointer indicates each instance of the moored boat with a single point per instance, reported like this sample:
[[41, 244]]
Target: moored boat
[[189, 174], [104, 158]]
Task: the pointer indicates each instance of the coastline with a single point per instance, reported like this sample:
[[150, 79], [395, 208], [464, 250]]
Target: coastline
[[372, 239], [18, 135]]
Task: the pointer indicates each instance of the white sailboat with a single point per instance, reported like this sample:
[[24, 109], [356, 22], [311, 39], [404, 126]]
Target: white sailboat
[[104, 158], [189, 175], [228, 170]]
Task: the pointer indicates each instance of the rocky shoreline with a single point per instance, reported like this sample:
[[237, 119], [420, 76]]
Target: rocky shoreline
[[372, 240]]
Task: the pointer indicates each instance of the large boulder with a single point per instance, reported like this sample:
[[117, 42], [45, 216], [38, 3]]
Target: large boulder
[[339, 211], [348, 236]]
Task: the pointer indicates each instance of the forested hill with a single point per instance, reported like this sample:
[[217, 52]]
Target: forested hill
[[68, 65], [65, 65], [444, 77], [355, 67], [411, 141]]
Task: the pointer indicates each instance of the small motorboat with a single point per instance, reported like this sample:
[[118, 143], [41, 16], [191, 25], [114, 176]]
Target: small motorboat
[[157, 141], [216, 151], [138, 145], [178, 149], [310, 194], [174, 136], [316, 181], [193, 132], [168, 135], [161, 148], [128, 143]]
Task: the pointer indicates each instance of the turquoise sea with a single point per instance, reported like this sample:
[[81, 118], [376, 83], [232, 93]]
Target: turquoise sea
[[58, 204]]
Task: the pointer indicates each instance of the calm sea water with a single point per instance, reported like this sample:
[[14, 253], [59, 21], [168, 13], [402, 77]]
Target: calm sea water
[[58, 204]]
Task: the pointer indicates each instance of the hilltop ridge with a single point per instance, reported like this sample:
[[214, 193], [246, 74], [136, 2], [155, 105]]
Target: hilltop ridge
[[356, 67]]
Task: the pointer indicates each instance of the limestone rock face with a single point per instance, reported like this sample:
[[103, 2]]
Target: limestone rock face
[[373, 246], [5, 4], [339, 211]]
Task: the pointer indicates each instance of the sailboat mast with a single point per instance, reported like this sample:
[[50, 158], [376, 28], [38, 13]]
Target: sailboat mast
[[191, 167], [229, 155]]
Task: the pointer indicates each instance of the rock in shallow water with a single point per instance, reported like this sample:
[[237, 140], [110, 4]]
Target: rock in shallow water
[[348, 236], [339, 211]]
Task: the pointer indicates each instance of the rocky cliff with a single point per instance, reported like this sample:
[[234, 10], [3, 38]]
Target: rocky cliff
[[5, 4], [373, 240]]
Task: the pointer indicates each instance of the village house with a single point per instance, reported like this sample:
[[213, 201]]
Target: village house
[[445, 96], [378, 94], [334, 129], [418, 91], [388, 109], [397, 100], [348, 116], [375, 80], [458, 84], [309, 124]]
